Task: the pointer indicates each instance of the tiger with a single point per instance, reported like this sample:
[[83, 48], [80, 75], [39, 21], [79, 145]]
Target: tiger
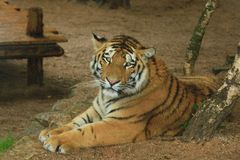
[[138, 99]]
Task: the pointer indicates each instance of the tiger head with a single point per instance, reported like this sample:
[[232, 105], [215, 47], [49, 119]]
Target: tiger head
[[120, 65]]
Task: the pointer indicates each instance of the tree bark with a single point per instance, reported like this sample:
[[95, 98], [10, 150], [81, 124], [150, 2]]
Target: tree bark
[[197, 36], [214, 110]]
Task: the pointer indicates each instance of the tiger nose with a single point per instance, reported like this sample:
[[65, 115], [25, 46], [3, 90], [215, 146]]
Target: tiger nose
[[112, 81]]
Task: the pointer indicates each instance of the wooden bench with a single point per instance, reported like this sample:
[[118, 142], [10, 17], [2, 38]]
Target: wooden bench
[[17, 43]]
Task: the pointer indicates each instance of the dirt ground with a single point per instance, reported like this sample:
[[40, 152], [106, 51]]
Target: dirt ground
[[164, 24]]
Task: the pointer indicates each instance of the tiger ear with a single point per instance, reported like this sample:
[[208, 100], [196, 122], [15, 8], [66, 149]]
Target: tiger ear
[[149, 52], [98, 41]]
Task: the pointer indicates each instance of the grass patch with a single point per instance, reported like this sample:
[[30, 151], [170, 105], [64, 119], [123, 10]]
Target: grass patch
[[6, 143]]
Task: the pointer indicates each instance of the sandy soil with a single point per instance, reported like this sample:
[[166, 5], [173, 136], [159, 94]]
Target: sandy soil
[[167, 25]]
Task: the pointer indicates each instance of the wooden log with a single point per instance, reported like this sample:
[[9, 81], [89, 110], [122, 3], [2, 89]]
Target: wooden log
[[34, 54], [30, 51], [35, 22], [49, 38], [35, 71]]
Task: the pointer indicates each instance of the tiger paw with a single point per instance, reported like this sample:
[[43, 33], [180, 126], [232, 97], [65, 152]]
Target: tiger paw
[[46, 133], [56, 144]]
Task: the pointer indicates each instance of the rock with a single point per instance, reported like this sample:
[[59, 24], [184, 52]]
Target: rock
[[61, 105], [33, 129], [53, 119]]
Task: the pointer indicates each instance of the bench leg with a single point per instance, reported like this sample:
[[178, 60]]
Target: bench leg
[[35, 71]]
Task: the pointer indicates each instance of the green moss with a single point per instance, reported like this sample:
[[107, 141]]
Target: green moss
[[185, 124], [195, 107], [6, 143]]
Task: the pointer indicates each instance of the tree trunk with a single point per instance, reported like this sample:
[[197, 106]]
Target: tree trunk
[[214, 110], [197, 36]]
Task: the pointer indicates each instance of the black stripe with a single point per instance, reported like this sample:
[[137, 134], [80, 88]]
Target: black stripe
[[179, 103], [97, 113], [88, 119], [164, 132], [109, 104], [122, 118], [135, 138], [116, 46], [120, 108], [122, 46], [138, 67], [94, 63], [182, 114], [184, 111], [78, 125], [176, 92], [125, 40], [99, 106], [129, 49], [116, 99], [113, 110], [92, 130], [173, 100], [98, 101], [57, 148], [84, 120], [131, 43], [140, 73], [147, 133], [102, 96], [98, 56], [119, 92], [155, 108], [156, 65]]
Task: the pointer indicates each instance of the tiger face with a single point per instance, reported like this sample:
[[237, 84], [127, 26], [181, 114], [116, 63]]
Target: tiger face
[[120, 65]]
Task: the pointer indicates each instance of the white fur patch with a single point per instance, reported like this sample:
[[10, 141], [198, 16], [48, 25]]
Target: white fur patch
[[111, 51], [49, 147], [43, 138]]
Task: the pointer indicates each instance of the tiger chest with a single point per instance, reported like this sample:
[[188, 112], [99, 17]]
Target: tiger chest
[[102, 106]]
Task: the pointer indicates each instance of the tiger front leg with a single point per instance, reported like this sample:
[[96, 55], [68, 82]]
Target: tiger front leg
[[89, 116], [102, 133]]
